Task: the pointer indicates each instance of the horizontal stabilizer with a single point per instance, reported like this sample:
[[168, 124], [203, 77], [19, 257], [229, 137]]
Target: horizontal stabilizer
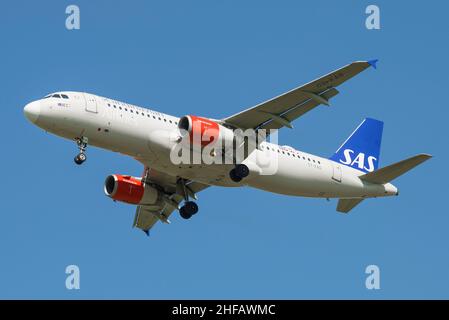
[[388, 173], [345, 205]]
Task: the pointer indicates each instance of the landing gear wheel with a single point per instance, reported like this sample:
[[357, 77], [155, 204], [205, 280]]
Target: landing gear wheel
[[234, 176], [80, 158], [184, 214], [82, 145], [188, 209], [191, 207], [241, 171]]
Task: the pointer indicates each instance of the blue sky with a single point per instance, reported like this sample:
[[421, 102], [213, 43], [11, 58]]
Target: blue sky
[[214, 58]]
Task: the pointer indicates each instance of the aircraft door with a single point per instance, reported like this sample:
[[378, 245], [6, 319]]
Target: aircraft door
[[91, 102], [336, 173]]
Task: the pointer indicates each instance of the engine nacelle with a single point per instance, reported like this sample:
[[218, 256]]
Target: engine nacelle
[[130, 190], [203, 131]]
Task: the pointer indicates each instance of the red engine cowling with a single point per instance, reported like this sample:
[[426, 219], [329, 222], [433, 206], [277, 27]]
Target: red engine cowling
[[203, 131], [130, 190]]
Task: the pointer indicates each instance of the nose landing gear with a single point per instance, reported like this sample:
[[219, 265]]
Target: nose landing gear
[[82, 145], [80, 158]]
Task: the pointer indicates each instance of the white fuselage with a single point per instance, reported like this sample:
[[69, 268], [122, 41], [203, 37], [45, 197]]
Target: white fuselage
[[149, 136]]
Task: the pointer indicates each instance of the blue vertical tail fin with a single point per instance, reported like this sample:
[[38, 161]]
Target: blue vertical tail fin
[[361, 150]]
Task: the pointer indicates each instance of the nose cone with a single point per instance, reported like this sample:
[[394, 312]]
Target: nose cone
[[32, 111]]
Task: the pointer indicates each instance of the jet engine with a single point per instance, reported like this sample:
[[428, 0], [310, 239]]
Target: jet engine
[[130, 190], [203, 131]]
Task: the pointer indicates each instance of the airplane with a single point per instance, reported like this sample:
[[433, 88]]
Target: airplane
[[351, 174]]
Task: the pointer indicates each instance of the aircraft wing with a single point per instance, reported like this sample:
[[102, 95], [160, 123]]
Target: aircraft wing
[[282, 110], [147, 216]]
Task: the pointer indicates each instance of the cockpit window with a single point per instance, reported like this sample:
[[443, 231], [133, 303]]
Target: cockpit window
[[56, 95]]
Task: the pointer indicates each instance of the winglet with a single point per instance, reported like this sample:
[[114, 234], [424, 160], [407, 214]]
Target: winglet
[[373, 63], [147, 232]]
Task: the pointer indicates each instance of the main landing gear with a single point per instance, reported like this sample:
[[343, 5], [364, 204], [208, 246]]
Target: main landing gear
[[190, 207], [239, 172], [82, 145]]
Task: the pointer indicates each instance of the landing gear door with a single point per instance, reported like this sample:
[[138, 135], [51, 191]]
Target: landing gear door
[[336, 173], [91, 102]]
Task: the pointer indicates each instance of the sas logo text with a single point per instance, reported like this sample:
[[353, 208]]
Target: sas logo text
[[359, 160]]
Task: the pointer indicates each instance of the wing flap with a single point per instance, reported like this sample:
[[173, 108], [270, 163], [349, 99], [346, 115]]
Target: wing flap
[[146, 217], [299, 110]]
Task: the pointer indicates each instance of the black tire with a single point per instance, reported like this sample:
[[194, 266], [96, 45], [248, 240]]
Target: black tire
[[234, 176], [184, 214], [191, 207], [241, 170], [82, 157], [78, 160]]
